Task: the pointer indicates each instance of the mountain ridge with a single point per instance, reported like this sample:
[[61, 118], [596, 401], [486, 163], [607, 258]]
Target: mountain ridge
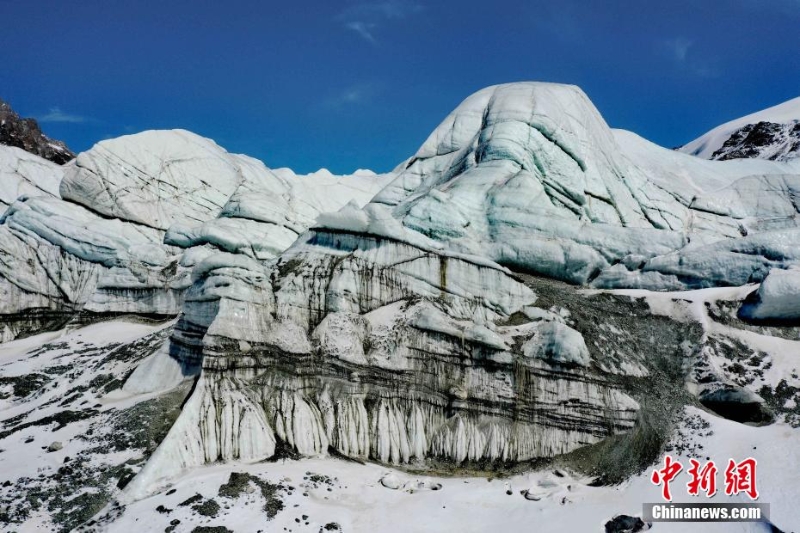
[[771, 133], [25, 133]]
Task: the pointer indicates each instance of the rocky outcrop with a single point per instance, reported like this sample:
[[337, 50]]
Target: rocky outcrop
[[764, 140], [24, 133], [772, 133]]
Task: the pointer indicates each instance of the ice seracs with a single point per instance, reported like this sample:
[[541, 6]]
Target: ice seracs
[[124, 227]]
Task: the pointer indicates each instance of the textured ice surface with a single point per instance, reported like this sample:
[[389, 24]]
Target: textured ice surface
[[397, 331], [529, 175], [25, 174], [137, 214]]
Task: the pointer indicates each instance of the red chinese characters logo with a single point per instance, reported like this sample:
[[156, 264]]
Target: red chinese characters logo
[[740, 478], [704, 479], [665, 476]]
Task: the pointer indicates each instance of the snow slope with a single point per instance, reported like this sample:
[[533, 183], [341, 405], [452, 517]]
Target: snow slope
[[356, 500]]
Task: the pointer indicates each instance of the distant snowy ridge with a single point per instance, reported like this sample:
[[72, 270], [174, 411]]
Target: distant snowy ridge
[[772, 133]]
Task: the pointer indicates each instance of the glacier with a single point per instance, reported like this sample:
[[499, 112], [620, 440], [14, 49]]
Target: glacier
[[121, 229], [417, 317]]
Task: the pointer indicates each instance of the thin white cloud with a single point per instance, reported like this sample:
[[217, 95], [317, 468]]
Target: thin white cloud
[[679, 48], [364, 29], [682, 52], [366, 18], [56, 115], [359, 93]]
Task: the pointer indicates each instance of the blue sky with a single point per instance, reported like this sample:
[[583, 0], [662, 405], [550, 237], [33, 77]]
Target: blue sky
[[351, 84]]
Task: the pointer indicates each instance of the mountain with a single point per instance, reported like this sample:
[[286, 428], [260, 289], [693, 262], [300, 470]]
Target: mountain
[[532, 295], [772, 133], [24, 133]]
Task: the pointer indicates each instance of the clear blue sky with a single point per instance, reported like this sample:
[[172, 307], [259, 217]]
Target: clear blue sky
[[353, 84]]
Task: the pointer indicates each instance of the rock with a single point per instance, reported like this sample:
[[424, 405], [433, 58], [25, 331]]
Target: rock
[[736, 403], [765, 140], [55, 446], [421, 485], [24, 133], [626, 524], [391, 481]]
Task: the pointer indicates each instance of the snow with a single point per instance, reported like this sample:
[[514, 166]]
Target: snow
[[708, 143], [688, 176]]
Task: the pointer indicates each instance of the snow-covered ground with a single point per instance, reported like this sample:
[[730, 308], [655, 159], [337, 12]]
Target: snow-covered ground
[[69, 437], [356, 500]]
